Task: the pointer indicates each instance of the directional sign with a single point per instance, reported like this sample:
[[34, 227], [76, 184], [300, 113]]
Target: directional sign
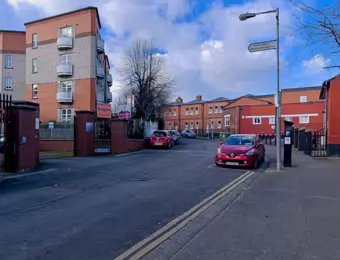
[[262, 46]]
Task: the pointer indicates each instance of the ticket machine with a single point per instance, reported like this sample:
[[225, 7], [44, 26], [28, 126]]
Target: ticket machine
[[288, 141]]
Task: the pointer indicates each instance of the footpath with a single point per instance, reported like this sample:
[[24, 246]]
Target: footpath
[[292, 214]]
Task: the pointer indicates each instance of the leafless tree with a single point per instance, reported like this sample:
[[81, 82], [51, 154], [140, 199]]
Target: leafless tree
[[319, 29], [144, 74]]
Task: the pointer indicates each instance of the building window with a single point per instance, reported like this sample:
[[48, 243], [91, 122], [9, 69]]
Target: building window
[[169, 127], [66, 115], [175, 112], [227, 120], [35, 66], [187, 111], [186, 125], [221, 108], [210, 110], [219, 124], [303, 99], [289, 118], [66, 59], [9, 62], [216, 109], [65, 86], [257, 121], [35, 91], [191, 111], [9, 83], [272, 120], [164, 114], [196, 111], [197, 125], [35, 41], [212, 124], [191, 125], [170, 114], [66, 31], [304, 119]]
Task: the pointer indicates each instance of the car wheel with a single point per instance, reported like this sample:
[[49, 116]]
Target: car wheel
[[256, 164], [263, 158]]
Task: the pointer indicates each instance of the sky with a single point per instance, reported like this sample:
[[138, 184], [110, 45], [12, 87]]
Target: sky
[[204, 42]]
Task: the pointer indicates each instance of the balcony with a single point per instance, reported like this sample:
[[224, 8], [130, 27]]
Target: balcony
[[109, 79], [64, 70], [100, 46], [100, 71], [65, 97], [109, 96], [64, 42]]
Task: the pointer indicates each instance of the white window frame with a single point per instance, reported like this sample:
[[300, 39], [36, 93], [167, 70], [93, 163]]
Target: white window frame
[[35, 40], [175, 112], [8, 83], [67, 117], [216, 109], [66, 31], [197, 125], [187, 111], [210, 110], [169, 126], [8, 61], [186, 125], [227, 120], [192, 111], [191, 125], [221, 108], [66, 86], [304, 119], [219, 124], [196, 112], [66, 59], [34, 91], [257, 120], [289, 118], [35, 65], [212, 126], [303, 99], [272, 120], [170, 113]]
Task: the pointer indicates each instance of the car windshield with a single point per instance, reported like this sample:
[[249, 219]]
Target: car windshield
[[159, 134], [240, 140]]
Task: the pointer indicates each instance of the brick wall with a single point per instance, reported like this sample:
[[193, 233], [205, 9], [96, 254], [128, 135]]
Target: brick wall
[[56, 145]]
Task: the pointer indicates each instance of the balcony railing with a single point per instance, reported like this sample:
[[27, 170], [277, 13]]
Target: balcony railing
[[100, 71], [109, 79], [100, 46], [64, 42], [65, 96], [64, 70]]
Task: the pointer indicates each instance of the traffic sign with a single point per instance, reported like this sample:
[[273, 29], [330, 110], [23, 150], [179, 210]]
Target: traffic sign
[[262, 46]]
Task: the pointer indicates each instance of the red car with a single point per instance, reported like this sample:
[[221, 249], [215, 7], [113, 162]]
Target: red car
[[162, 138], [241, 150]]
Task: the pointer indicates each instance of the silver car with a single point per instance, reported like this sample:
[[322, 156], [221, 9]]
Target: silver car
[[188, 133]]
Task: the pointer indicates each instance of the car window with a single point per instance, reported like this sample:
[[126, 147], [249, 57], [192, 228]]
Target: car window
[[240, 140], [159, 134]]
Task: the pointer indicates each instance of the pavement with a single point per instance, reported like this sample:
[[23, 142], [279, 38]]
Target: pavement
[[99, 207], [292, 214]]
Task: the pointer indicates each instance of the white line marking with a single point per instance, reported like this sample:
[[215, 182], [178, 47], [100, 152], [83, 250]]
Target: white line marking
[[181, 217], [14, 176], [124, 154]]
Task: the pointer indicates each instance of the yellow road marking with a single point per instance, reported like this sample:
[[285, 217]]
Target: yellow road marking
[[201, 206]]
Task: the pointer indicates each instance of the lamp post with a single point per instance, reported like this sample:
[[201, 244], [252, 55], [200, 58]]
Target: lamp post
[[244, 17]]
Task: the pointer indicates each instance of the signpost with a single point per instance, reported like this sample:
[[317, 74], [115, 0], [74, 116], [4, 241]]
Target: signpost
[[262, 46]]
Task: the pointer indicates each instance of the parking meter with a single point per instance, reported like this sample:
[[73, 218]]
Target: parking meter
[[288, 140]]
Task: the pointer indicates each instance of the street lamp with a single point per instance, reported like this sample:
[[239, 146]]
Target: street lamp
[[244, 17]]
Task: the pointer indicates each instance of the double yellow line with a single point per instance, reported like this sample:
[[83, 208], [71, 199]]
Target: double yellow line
[[148, 244]]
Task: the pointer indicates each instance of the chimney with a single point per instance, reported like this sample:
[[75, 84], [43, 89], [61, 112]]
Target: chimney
[[179, 100], [199, 98]]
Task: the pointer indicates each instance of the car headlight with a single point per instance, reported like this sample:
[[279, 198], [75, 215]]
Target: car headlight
[[250, 152], [219, 151]]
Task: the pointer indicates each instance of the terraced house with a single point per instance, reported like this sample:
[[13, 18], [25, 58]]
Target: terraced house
[[66, 65], [247, 114]]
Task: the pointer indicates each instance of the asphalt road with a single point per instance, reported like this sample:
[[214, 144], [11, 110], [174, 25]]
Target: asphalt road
[[98, 207]]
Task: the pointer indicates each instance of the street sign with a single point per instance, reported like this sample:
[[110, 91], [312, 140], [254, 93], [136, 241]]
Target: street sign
[[262, 46]]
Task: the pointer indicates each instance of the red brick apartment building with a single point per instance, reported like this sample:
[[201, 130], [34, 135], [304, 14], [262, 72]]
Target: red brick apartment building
[[246, 114], [66, 65]]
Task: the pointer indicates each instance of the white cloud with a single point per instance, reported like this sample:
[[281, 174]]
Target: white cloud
[[316, 64], [217, 64]]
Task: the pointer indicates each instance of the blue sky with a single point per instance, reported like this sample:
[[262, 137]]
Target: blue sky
[[206, 45]]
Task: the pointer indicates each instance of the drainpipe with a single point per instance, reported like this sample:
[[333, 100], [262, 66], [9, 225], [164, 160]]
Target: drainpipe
[[326, 115], [105, 80]]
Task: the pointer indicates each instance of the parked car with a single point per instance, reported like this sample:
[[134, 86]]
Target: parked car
[[188, 133], [176, 136], [240, 150], [161, 138]]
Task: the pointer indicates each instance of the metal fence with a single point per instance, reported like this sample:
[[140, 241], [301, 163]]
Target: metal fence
[[61, 131], [138, 128]]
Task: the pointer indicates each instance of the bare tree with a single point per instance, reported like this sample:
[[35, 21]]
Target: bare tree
[[144, 74], [319, 28]]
